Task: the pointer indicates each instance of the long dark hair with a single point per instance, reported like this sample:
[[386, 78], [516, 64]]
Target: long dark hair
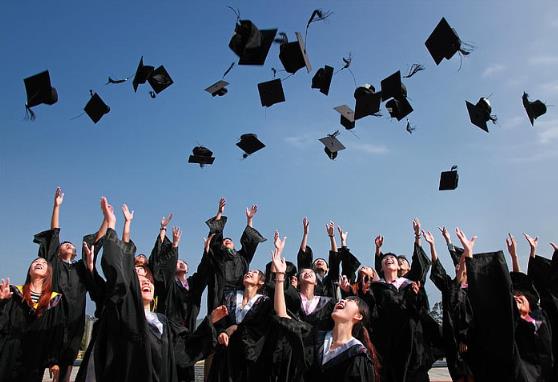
[[360, 332], [46, 291]]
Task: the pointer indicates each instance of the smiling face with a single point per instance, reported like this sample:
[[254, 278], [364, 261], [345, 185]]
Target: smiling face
[[67, 251], [181, 267], [320, 265], [253, 278], [228, 243], [38, 268], [346, 311], [390, 263], [307, 276], [404, 266], [147, 289]]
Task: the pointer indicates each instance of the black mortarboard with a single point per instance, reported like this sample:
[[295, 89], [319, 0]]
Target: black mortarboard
[[443, 42], [39, 90], [160, 79], [322, 79], [332, 145], [250, 44], [367, 101], [96, 108], [249, 143], [347, 116], [201, 155], [480, 113], [392, 87], [523, 284], [534, 109], [271, 92], [142, 74], [293, 55], [399, 108], [449, 179], [219, 88]]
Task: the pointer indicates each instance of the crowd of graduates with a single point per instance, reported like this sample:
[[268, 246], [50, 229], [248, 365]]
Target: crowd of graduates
[[317, 319]]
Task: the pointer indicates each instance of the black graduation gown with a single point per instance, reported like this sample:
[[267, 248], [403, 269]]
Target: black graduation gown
[[353, 365], [326, 286], [126, 347], [544, 273], [68, 278], [29, 344], [457, 320], [225, 270], [241, 360], [320, 318]]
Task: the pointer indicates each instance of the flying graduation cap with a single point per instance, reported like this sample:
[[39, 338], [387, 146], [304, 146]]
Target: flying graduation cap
[[534, 109], [367, 101], [444, 42], [249, 143], [219, 88], [332, 145], [39, 90], [271, 92], [250, 44], [480, 113], [160, 79], [347, 116], [322, 79], [399, 108], [202, 156], [142, 74], [96, 108], [293, 54], [449, 179]]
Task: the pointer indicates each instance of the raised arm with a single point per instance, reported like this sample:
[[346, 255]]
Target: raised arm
[[250, 237], [128, 217], [220, 209], [533, 242], [306, 227], [430, 240], [468, 244], [416, 229], [378, 242], [348, 261], [163, 229], [58, 200], [330, 230], [511, 244], [278, 266]]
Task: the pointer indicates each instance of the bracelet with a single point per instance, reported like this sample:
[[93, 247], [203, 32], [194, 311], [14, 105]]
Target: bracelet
[[280, 280], [330, 235]]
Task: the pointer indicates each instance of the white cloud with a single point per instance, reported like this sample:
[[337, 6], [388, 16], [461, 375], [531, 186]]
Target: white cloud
[[369, 148], [301, 141], [547, 130], [492, 70], [549, 88], [543, 60]]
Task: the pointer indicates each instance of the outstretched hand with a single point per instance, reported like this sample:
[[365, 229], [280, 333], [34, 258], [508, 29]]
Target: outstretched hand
[[342, 235], [379, 241], [278, 263], [330, 228], [207, 242], [128, 215], [445, 234], [166, 220], [89, 255], [428, 237], [416, 226], [5, 291], [533, 242], [108, 212], [306, 225], [58, 197], [219, 313], [176, 236], [467, 244], [251, 211], [222, 204], [511, 243]]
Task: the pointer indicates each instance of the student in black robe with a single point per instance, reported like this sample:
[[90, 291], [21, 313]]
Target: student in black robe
[[226, 265], [242, 334], [343, 354], [457, 312], [133, 343], [178, 296], [69, 279], [31, 326]]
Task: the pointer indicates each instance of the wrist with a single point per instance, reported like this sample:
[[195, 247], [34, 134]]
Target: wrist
[[163, 228]]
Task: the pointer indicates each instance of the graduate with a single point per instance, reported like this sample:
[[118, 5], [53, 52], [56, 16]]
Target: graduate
[[69, 277], [344, 353], [133, 343], [227, 266], [31, 326], [457, 311]]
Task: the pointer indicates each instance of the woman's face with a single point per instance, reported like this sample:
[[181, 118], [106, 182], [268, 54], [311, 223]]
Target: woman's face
[[181, 266], [346, 311], [38, 268], [252, 278], [147, 289], [307, 276], [404, 266], [390, 263], [141, 271], [140, 260]]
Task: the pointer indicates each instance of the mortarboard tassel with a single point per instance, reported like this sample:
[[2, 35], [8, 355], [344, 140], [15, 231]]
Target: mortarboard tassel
[[228, 69], [29, 114], [236, 12], [152, 94], [414, 69], [317, 15], [409, 127], [282, 39]]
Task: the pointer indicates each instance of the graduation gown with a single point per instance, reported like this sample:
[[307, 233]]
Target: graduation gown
[[326, 286], [29, 344], [127, 347], [241, 361], [320, 317], [225, 269], [68, 278], [457, 320]]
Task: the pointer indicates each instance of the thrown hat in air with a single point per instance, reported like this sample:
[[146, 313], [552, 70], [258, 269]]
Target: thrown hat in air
[[480, 113], [534, 109], [142, 74], [449, 179], [332, 145], [202, 156], [367, 101], [39, 90], [249, 143], [322, 79], [96, 108], [219, 88], [347, 116], [392, 87], [160, 79], [250, 44], [399, 108], [444, 42], [271, 92], [293, 55]]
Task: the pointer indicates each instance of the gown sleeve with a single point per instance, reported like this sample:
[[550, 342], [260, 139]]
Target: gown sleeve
[[49, 242], [249, 241], [304, 258], [439, 276], [349, 263]]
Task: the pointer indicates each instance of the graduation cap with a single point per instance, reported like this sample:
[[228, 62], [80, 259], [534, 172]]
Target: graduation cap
[[160, 79], [367, 101], [392, 87], [322, 79], [249, 143], [293, 55], [96, 108], [444, 42], [449, 179], [39, 90], [534, 109], [142, 74], [332, 145], [523, 284], [202, 156], [399, 108], [347, 116], [218, 88], [479, 113], [250, 44], [271, 92]]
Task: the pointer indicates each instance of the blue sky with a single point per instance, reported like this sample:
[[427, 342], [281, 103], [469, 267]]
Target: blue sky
[[138, 152]]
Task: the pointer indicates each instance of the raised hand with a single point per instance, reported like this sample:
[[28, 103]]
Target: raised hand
[[511, 243], [445, 234], [222, 204], [306, 225], [128, 215], [330, 228], [219, 313], [379, 241], [554, 246], [108, 213], [176, 235], [5, 291], [532, 244], [415, 287], [207, 242], [166, 220], [468, 244], [58, 197], [278, 243], [251, 211], [428, 237], [344, 284], [343, 236], [278, 262], [89, 254], [416, 227], [54, 371]]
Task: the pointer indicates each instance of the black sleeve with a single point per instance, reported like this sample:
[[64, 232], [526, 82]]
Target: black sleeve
[[249, 241], [49, 243], [304, 258], [439, 276], [163, 263], [420, 264], [349, 263], [378, 263], [334, 260], [360, 370], [216, 228], [94, 283], [199, 344]]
